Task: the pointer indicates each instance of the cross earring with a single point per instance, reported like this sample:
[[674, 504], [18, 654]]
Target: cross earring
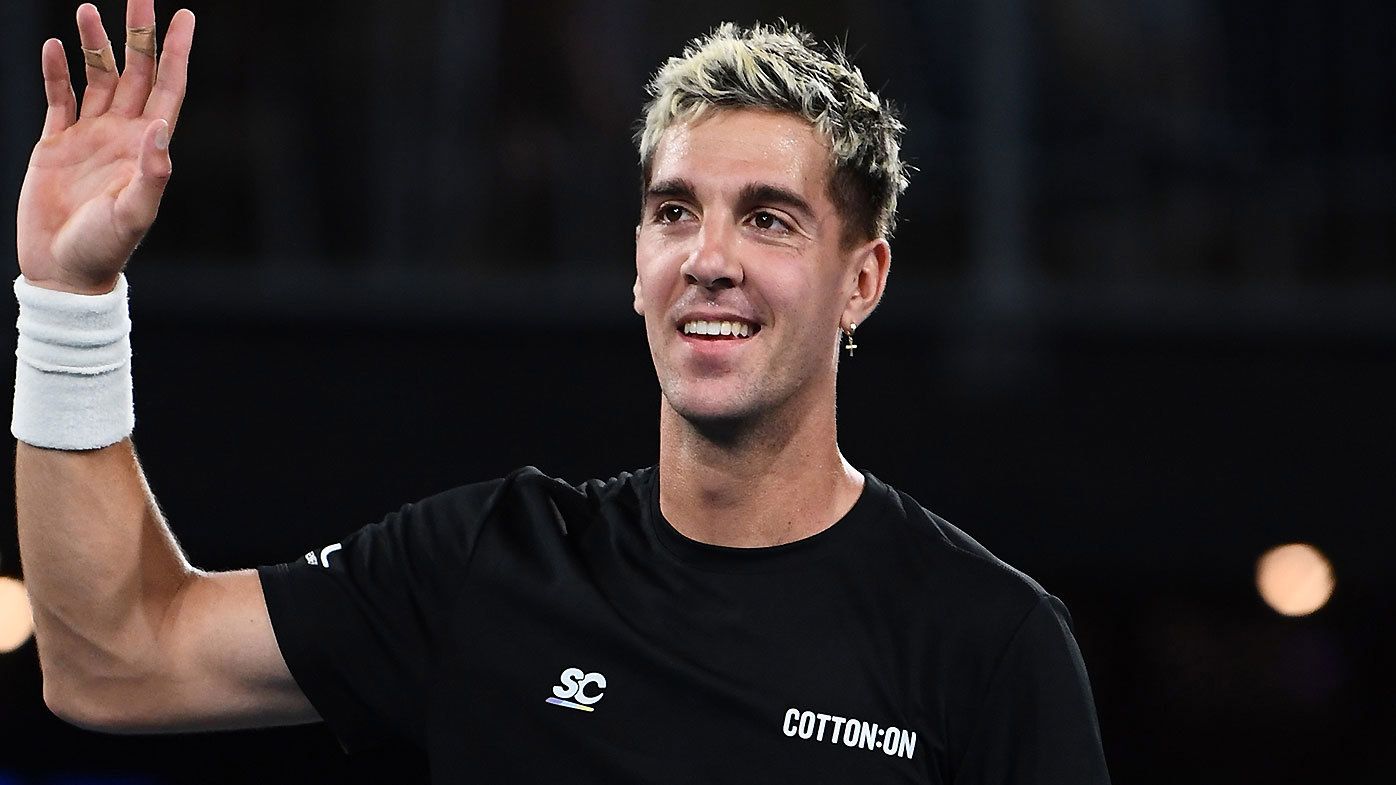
[[848, 336]]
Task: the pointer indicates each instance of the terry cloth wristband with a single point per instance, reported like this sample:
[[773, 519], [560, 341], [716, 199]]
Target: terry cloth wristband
[[73, 375]]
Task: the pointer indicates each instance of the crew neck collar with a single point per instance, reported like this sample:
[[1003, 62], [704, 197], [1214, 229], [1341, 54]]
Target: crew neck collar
[[722, 558]]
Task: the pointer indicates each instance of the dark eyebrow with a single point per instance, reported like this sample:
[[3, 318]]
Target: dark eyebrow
[[675, 188], [753, 194]]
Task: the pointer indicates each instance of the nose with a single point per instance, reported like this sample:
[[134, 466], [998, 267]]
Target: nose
[[713, 264]]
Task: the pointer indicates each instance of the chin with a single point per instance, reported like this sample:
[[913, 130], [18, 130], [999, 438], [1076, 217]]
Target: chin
[[710, 411]]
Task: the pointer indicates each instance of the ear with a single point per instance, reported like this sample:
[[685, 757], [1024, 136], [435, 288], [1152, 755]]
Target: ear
[[639, 305], [868, 278]]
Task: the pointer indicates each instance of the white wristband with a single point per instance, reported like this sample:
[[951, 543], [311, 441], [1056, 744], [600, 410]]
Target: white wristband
[[73, 369]]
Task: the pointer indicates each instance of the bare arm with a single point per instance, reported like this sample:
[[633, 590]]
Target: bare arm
[[131, 637]]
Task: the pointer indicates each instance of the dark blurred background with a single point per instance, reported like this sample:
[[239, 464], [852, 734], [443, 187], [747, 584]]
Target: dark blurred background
[[1141, 325]]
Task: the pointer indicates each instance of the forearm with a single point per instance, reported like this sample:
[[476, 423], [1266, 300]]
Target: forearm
[[101, 566]]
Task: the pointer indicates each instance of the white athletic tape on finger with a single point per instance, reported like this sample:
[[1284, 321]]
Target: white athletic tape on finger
[[73, 368]]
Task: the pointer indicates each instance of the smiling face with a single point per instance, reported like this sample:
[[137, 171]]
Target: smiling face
[[738, 236]]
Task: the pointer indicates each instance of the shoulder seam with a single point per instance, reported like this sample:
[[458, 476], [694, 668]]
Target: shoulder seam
[[991, 560], [486, 512], [1042, 599]]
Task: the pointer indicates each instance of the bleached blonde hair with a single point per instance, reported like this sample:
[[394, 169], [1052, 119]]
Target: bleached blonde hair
[[783, 68]]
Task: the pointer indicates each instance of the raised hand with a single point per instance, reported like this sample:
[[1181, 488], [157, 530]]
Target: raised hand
[[96, 177]]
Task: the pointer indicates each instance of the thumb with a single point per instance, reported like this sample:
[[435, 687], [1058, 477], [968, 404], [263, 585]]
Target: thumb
[[138, 202]]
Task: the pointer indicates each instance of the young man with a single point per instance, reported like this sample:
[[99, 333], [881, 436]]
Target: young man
[[753, 608]]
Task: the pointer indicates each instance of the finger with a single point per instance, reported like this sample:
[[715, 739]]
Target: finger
[[168, 95], [58, 89], [101, 65], [138, 202], [139, 61]]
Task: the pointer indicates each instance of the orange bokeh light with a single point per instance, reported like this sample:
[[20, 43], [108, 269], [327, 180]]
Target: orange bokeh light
[[1294, 579]]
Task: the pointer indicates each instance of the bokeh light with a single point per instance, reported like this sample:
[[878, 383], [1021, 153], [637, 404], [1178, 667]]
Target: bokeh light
[[16, 620], [1294, 579]]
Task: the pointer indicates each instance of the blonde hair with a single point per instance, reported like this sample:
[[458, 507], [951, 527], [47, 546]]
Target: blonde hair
[[783, 68]]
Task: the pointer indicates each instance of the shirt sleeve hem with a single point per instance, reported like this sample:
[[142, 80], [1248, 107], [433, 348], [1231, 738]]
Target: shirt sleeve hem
[[300, 656]]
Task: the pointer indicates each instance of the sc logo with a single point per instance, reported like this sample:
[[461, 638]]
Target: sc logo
[[575, 686]]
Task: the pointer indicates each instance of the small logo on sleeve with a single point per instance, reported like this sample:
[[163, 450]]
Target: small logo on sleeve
[[573, 691], [324, 559]]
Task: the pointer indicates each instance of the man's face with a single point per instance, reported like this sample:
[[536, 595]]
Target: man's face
[[738, 234]]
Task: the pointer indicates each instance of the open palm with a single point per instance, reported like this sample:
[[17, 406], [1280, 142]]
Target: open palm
[[94, 184]]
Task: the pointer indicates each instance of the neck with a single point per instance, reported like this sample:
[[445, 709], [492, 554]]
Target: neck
[[754, 485]]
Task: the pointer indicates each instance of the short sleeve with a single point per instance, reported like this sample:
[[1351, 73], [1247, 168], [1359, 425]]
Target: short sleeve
[[358, 621], [1037, 724]]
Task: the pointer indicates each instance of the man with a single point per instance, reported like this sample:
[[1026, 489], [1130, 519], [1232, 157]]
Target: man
[[753, 608]]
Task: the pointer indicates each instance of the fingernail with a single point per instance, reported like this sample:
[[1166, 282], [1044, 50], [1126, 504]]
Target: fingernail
[[162, 138]]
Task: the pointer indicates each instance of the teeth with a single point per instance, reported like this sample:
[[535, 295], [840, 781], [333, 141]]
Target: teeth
[[701, 327]]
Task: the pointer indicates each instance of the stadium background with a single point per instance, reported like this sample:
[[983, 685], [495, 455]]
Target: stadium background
[[1141, 325]]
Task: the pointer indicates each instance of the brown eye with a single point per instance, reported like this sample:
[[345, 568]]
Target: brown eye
[[670, 213], [765, 221]]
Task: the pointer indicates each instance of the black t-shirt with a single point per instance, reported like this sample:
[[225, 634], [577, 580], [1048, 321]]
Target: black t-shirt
[[528, 630]]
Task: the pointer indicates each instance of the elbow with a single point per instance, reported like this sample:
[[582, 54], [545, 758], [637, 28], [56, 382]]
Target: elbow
[[66, 703], [89, 708], [92, 683], [111, 682]]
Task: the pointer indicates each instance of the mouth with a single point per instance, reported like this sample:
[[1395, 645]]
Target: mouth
[[709, 330]]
